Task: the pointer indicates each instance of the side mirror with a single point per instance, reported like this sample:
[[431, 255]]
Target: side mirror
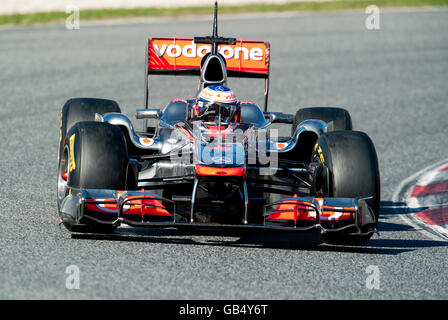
[[279, 117], [148, 114]]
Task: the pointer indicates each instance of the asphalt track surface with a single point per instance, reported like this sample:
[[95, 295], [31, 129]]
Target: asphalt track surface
[[392, 80]]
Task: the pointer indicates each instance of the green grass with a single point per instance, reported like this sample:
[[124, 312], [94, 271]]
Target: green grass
[[100, 14]]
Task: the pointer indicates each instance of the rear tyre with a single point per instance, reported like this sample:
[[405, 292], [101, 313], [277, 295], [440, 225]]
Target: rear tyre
[[352, 163], [96, 158], [340, 117]]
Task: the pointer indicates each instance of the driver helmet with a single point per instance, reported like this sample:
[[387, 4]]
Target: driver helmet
[[213, 97]]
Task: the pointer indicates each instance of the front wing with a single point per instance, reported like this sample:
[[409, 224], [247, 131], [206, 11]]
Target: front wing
[[145, 209]]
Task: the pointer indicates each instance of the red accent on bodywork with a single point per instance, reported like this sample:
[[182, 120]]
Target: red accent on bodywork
[[213, 131], [247, 102], [293, 212], [214, 171], [134, 206], [301, 211], [64, 175]]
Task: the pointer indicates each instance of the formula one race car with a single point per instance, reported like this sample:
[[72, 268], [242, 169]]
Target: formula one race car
[[214, 161]]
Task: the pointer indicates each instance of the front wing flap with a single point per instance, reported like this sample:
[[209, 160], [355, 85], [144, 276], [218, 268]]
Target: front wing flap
[[328, 214]]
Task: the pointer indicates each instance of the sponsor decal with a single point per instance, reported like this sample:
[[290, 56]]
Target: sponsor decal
[[193, 51], [318, 149], [218, 94], [281, 145], [146, 141], [183, 53], [222, 160], [72, 152]]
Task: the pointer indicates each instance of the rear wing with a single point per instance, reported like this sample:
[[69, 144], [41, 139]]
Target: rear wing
[[183, 56]]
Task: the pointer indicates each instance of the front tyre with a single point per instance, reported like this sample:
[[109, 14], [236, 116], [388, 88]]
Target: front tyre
[[94, 157], [352, 162]]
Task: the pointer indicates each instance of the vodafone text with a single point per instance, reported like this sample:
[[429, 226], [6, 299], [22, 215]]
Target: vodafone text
[[193, 51]]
